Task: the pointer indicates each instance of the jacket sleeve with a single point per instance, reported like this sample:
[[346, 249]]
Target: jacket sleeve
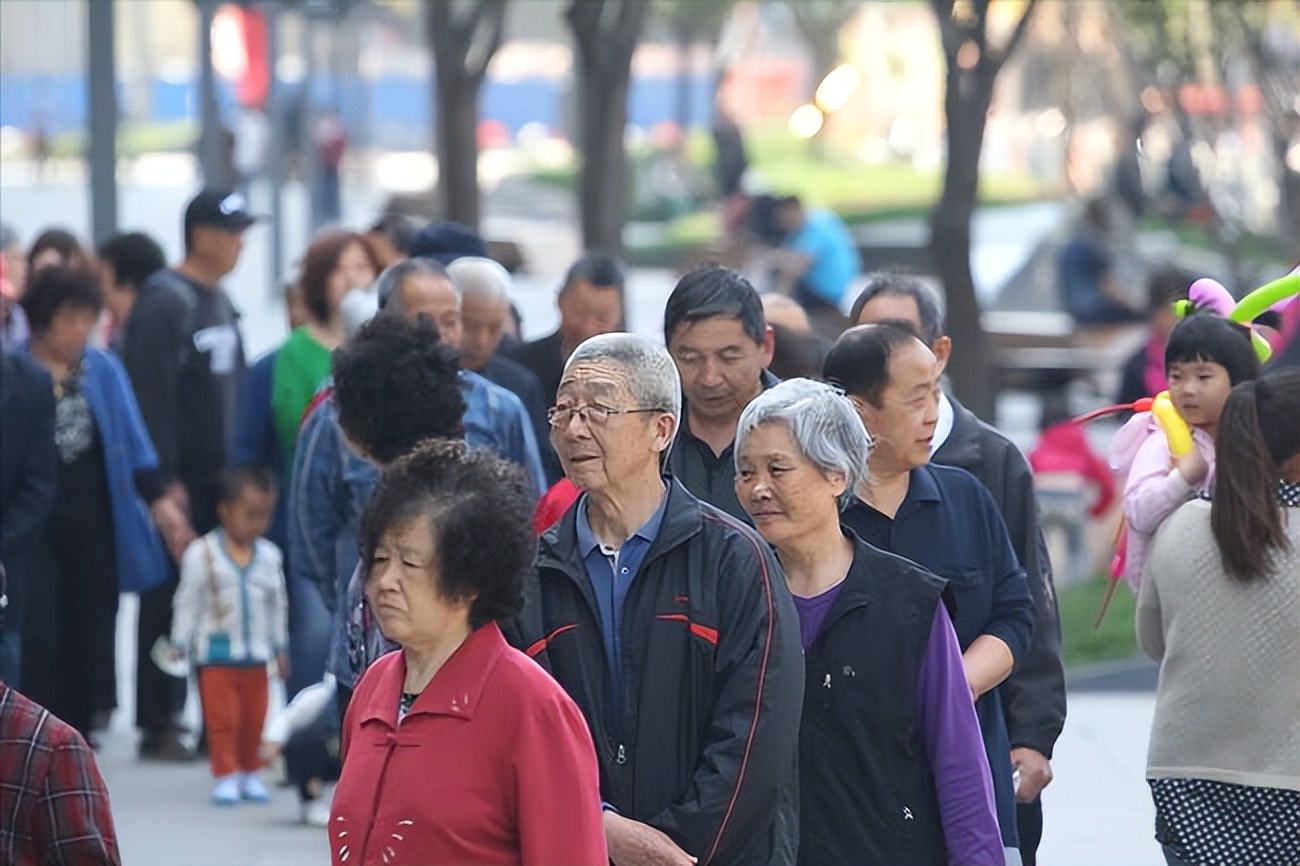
[[747, 764], [152, 357], [144, 457], [1012, 616], [254, 443], [187, 603], [517, 438], [1149, 622], [314, 522], [74, 822], [1033, 697], [278, 613], [557, 787], [1154, 490], [28, 503]]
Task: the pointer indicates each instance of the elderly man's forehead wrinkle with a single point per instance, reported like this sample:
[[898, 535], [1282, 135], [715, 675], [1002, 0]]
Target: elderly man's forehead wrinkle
[[599, 377]]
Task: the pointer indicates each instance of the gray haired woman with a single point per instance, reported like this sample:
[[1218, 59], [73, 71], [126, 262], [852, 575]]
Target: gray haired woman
[[891, 761]]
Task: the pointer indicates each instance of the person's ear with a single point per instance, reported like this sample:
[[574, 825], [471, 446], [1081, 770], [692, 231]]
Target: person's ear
[[942, 350], [768, 346]]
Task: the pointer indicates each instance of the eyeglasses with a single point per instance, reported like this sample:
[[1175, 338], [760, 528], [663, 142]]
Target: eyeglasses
[[560, 416]]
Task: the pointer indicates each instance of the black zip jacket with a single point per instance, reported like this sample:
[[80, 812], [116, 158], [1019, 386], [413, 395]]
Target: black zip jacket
[[705, 748], [1033, 697], [866, 786]]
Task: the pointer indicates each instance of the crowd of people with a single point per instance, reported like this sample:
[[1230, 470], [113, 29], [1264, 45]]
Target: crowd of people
[[594, 597]]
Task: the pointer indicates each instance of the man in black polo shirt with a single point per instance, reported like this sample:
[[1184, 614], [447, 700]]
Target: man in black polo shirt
[[1033, 696], [183, 351], [721, 344]]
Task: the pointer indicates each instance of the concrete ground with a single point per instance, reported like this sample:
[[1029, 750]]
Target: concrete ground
[[1097, 811]]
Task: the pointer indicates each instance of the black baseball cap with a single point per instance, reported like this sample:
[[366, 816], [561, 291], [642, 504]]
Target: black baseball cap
[[223, 209]]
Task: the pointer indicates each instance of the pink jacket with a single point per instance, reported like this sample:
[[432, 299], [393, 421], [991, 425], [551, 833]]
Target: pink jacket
[[1154, 491]]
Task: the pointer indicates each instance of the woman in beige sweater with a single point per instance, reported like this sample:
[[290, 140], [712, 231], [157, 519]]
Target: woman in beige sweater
[[1219, 608]]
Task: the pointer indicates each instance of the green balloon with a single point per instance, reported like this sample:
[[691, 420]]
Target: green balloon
[[1266, 296]]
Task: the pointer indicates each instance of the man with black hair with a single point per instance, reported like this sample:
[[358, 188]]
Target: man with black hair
[[126, 261], [940, 517], [182, 349], [590, 303], [721, 344], [1033, 697]]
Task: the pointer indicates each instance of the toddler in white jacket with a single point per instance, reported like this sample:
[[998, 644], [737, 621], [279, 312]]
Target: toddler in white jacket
[[230, 618]]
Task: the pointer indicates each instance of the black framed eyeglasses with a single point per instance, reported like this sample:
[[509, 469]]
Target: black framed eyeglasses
[[560, 416]]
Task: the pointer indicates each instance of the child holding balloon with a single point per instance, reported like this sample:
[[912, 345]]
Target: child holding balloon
[[1206, 356]]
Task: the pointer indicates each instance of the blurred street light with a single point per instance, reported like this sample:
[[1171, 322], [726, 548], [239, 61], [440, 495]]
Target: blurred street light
[[837, 88], [806, 121]]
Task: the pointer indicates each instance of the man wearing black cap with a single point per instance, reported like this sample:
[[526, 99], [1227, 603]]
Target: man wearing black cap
[[182, 349]]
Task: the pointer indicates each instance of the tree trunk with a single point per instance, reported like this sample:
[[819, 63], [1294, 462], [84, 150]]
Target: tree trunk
[[605, 34], [456, 113], [603, 176], [464, 38], [685, 107], [966, 103]]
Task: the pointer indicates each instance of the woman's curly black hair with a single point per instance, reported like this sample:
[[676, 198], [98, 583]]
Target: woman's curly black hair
[[479, 511], [53, 288], [396, 384]]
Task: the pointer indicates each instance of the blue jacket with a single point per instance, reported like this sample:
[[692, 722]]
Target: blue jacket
[[141, 562], [255, 443], [331, 484]]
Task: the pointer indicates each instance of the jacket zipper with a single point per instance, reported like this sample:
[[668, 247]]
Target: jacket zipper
[[379, 791], [621, 757]]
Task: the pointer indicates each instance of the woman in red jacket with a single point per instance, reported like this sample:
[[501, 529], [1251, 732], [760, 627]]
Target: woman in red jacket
[[458, 749]]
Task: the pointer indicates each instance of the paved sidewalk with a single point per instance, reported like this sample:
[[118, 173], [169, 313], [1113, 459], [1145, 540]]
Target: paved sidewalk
[[1098, 810]]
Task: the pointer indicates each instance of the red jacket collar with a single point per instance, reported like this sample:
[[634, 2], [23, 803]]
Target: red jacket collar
[[455, 689]]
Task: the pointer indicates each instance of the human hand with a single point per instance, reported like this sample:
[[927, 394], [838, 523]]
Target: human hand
[[1192, 467], [269, 750], [172, 524], [1035, 773], [632, 843]]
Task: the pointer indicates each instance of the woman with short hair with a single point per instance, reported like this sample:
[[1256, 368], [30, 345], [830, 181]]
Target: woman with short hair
[[891, 760], [99, 538], [1217, 609], [458, 748]]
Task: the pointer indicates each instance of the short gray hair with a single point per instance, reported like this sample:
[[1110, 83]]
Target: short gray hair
[[822, 423], [389, 283], [651, 374], [475, 276]]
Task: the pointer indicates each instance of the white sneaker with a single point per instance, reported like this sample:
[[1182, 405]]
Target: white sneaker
[[252, 789], [316, 813], [226, 792]]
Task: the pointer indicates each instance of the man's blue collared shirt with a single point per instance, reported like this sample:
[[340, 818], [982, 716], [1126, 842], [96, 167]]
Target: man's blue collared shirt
[[611, 572]]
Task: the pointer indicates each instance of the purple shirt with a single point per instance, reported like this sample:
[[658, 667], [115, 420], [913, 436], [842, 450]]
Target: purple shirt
[[950, 733]]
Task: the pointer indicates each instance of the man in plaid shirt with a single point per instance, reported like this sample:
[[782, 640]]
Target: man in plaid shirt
[[53, 804]]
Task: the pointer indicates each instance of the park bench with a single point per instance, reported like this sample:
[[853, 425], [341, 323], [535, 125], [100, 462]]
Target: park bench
[[1044, 351]]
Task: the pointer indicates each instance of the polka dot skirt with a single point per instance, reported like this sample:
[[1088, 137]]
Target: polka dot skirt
[[1217, 823]]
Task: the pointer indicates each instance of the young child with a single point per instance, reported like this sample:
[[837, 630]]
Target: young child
[[1205, 357], [231, 620]]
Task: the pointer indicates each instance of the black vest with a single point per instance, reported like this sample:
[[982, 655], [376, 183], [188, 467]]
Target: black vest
[[866, 788]]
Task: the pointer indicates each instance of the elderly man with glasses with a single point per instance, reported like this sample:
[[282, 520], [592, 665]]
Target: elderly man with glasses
[[670, 625]]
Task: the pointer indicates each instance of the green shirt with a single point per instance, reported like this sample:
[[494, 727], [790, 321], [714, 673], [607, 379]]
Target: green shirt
[[301, 365]]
